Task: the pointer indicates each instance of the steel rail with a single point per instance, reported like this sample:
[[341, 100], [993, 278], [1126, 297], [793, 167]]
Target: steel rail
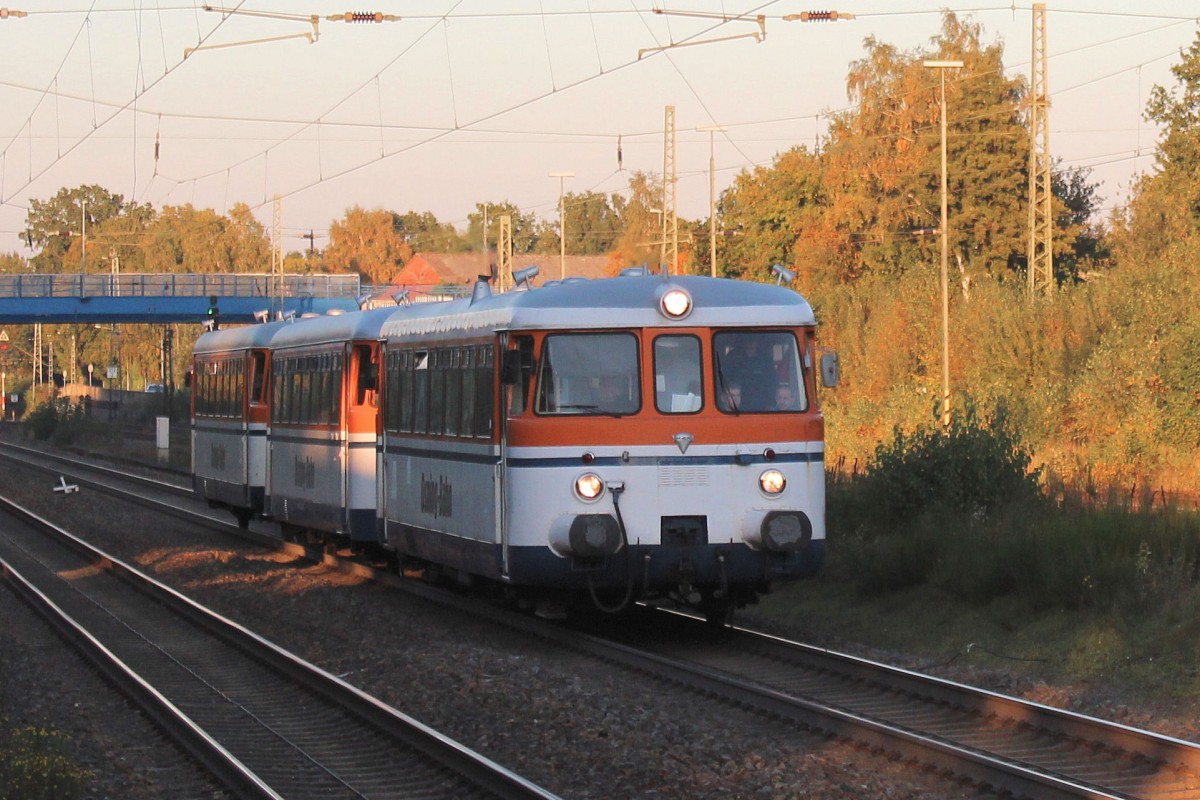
[[343, 714]]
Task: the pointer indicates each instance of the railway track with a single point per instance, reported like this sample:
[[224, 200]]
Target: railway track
[[1003, 745], [266, 723], [1018, 747]]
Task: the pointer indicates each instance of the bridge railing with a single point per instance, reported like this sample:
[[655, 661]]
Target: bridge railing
[[171, 284]]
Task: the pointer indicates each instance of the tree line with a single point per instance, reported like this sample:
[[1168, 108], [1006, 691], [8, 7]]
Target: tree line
[[1099, 375]]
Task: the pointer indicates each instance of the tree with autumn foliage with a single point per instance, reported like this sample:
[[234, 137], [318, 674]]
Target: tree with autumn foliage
[[367, 242], [377, 243], [523, 226], [640, 240], [56, 226], [198, 241], [869, 201]]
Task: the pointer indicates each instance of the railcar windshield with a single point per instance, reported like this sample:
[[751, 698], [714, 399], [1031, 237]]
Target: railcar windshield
[[758, 371], [589, 373]]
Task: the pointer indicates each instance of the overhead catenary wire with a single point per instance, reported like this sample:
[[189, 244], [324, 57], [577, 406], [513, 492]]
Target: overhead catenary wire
[[324, 125]]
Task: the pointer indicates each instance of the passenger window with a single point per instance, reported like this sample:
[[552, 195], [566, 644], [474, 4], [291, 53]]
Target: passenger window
[[677, 375], [421, 391], [258, 371], [368, 375]]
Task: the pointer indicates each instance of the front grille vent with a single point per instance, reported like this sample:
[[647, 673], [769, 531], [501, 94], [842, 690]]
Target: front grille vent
[[682, 476]]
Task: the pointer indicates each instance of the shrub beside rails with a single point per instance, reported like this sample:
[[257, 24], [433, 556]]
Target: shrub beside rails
[[586, 442]]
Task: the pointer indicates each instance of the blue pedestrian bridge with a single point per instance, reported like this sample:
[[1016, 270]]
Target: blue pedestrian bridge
[[173, 297]]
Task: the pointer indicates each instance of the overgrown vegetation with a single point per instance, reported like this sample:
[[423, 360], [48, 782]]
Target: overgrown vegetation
[[960, 509], [67, 423], [944, 543], [35, 765]]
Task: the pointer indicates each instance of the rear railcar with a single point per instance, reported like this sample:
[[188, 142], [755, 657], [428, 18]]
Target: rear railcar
[[229, 413]]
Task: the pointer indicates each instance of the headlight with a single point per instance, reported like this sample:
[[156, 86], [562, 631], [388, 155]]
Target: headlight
[[772, 482], [675, 303], [589, 486]]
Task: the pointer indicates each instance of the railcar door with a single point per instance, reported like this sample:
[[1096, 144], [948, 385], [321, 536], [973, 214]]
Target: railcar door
[[515, 374], [358, 453]]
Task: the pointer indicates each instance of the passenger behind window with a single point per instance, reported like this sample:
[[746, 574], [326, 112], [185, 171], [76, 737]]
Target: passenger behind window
[[613, 395], [785, 399]]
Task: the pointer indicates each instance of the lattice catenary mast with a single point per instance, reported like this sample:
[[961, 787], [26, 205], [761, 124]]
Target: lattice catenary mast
[[670, 223], [1041, 198]]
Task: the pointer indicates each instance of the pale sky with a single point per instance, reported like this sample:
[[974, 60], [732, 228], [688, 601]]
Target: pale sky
[[466, 101]]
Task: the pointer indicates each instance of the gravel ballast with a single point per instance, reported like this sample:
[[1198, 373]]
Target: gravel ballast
[[580, 728]]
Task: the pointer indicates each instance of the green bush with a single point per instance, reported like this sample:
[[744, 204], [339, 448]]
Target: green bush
[[41, 422], [34, 766], [970, 469], [883, 564], [66, 423], [1034, 556]]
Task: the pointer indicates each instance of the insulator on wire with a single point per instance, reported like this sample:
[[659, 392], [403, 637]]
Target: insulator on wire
[[818, 16], [363, 16]]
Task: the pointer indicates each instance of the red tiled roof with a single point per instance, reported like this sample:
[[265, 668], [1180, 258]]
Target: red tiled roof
[[439, 269]]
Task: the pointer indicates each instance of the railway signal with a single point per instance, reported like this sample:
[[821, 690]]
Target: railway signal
[[213, 315]]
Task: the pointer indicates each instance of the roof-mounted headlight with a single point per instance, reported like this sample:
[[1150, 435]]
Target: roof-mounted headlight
[[674, 302]]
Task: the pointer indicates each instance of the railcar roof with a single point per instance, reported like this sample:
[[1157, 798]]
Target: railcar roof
[[332, 328], [243, 337], [607, 303]]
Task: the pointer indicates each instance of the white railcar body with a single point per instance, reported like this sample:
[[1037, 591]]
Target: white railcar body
[[680, 504], [229, 427], [323, 434]]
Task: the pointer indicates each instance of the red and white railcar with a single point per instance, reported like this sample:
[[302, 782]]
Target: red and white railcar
[[230, 385], [633, 437], [321, 442]]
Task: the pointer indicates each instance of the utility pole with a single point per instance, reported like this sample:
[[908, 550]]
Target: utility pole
[[712, 199], [1040, 252], [82, 239], [485, 227], [670, 222], [941, 67], [562, 223], [277, 254]]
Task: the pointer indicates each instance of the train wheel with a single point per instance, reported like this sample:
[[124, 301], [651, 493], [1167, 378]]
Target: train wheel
[[243, 519], [716, 612]]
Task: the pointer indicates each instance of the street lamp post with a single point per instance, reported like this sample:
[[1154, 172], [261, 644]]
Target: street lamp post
[[562, 223], [712, 199], [941, 67]]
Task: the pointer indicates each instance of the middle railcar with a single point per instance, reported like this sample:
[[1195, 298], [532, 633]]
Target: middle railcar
[[321, 443]]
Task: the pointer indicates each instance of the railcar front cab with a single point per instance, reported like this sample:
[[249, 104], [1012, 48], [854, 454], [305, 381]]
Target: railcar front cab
[[733, 386]]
